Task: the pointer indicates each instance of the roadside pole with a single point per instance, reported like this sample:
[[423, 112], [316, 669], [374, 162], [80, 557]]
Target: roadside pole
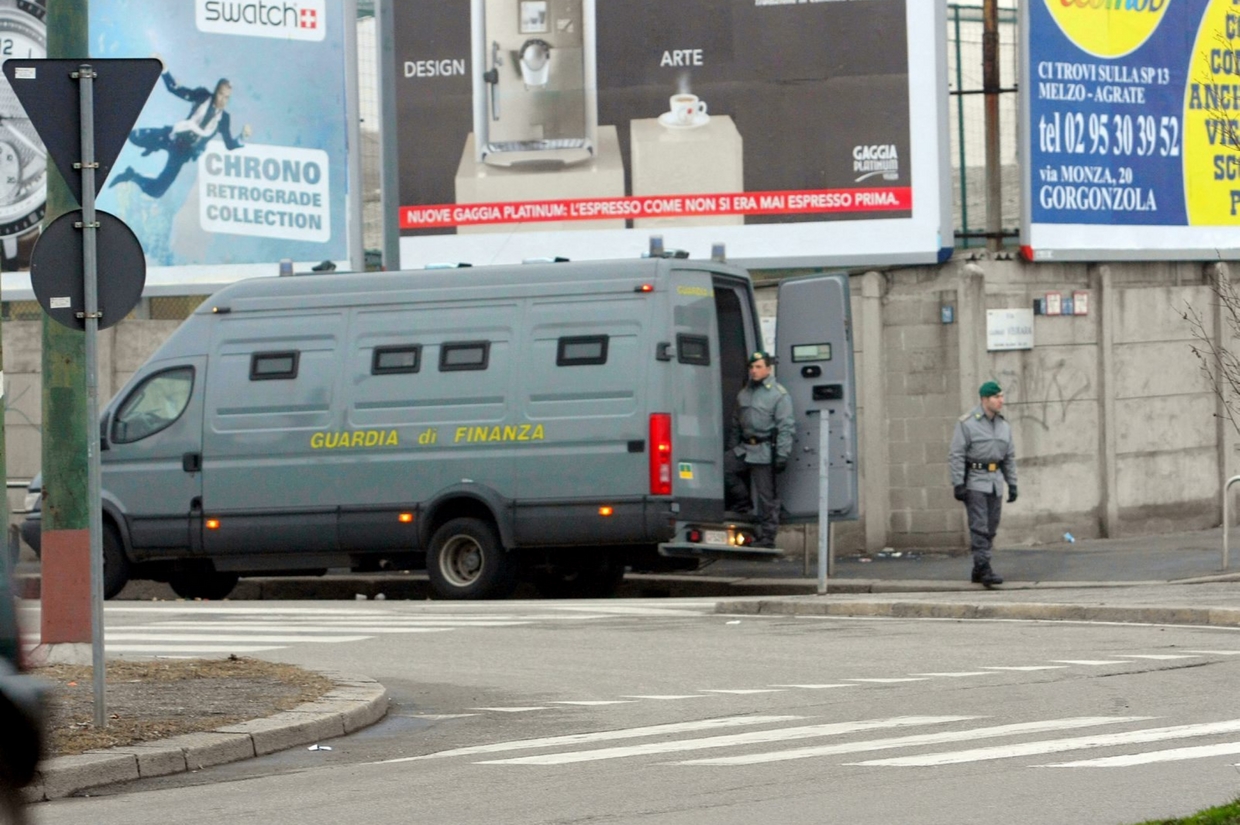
[[824, 499], [66, 604]]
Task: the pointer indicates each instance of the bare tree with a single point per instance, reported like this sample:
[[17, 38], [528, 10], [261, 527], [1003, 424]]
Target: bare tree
[[1220, 365]]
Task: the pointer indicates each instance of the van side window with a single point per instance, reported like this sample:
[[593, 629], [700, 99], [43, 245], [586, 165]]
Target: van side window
[[693, 349], [153, 405], [580, 350], [464, 355], [268, 366], [388, 360]]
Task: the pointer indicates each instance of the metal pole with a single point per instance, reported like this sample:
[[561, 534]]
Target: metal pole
[[1226, 519], [86, 87], [964, 174], [824, 498], [990, 85]]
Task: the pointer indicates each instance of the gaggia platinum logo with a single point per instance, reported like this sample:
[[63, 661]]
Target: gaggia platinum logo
[[876, 159], [282, 19]]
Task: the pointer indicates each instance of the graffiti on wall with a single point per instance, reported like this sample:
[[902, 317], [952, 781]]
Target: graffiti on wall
[[1044, 392]]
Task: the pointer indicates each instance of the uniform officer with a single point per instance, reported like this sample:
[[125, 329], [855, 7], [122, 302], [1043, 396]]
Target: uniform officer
[[759, 442], [981, 449]]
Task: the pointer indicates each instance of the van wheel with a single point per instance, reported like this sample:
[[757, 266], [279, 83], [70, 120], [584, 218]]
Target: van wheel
[[202, 584], [115, 563], [467, 561], [591, 578]]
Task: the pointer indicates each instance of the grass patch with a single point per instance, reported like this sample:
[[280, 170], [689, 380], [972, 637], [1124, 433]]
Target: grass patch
[[1228, 814]]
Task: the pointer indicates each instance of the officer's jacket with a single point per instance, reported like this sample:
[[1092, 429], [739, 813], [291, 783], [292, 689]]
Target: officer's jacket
[[762, 414], [985, 440]]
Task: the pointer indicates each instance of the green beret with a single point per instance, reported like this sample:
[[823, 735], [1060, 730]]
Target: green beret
[[988, 389], [760, 356]]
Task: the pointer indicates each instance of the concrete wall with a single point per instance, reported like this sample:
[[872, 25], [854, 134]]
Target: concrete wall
[[1118, 431]]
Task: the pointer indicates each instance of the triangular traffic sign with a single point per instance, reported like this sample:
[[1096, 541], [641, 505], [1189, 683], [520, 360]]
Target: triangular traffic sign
[[52, 100]]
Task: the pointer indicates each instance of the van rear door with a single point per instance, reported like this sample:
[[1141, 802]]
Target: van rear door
[[697, 413], [813, 342]]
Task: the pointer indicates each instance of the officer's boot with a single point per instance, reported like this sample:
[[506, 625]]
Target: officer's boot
[[977, 573], [988, 577]]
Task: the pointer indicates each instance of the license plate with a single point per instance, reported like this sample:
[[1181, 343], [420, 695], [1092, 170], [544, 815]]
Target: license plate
[[715, 536]]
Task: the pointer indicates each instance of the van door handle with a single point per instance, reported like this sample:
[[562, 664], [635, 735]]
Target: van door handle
[[191, 462]]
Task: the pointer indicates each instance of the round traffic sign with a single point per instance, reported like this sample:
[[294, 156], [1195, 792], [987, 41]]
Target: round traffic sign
[[58, 272]]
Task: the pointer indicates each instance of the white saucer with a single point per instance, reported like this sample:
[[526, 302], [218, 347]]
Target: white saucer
[[700, 119]]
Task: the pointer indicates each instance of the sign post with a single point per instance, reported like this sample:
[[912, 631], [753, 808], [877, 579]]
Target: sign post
[[40, 85]]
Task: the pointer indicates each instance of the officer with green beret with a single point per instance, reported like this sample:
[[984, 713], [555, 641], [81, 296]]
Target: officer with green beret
[[759, 442], [981, 458]]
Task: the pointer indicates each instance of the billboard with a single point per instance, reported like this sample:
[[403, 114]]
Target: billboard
[[1129, 129], [241, 156], [797, 133]]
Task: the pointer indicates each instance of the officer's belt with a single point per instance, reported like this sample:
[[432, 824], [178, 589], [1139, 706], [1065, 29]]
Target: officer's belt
[[978, 465], [753, 439]]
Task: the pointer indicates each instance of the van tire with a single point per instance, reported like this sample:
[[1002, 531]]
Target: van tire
[[202, 584], [467, 561], [115, 563]]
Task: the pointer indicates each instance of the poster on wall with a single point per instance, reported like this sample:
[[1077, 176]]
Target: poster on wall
[[1130, 129], [241, 156], [795, 133]]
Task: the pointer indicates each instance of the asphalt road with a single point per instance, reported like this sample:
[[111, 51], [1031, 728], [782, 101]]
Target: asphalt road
[[663, 712]]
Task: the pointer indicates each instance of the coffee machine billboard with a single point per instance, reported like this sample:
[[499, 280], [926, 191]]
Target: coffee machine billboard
[[241, 154], [796, 133]]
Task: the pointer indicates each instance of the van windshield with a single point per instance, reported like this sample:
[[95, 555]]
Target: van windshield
[[153, 405]]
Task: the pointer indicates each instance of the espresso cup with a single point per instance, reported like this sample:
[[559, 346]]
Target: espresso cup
[[686, 108]]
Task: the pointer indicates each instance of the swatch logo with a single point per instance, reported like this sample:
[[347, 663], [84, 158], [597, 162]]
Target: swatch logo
[[278, 19], [1108, 28]]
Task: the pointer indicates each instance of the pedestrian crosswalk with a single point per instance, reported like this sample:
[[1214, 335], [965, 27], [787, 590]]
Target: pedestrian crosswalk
[[761, 739]]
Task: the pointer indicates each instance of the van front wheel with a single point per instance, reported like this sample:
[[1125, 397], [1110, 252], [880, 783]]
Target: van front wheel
[[467, 561], [115, 563]]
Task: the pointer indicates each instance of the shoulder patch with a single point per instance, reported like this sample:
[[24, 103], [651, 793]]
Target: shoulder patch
[[781, 389], [978, 416], [964, 417]]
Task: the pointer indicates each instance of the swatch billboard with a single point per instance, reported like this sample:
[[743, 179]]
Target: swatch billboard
[[795, 133]]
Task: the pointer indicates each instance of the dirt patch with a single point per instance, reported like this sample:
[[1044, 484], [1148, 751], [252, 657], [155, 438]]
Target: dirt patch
[[147, 700]]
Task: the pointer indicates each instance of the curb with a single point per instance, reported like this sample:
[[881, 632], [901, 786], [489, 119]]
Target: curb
[[1213, 616], [354, 703]]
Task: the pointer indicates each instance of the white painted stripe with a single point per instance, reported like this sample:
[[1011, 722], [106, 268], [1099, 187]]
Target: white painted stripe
[[813, 687], [918, 740], [668, 697], [959, 674], [729, 740], [127, 648], [198, 607], [1171, 755], [1058, 745], [216, 637], [602, 736], [512, 710], [436, 717], [1027, 667], [890, 681], [593, 702], [638, 611], [1217, 652], [399, 624], [1157, 657], [741, 691], [1091, 662]]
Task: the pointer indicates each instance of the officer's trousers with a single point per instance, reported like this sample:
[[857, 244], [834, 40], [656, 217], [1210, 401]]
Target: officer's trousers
[[983, 510], [739, 478]]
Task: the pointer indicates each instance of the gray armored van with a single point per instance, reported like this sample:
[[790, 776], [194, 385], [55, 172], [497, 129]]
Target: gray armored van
[[556, 420]]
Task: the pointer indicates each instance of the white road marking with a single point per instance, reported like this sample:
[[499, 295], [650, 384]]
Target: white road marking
[[1027, 667], [638, 610], [293, 628], [215, 637], [729, 740], [1217, 652], [602, 736], [891, 681], [669, 697], [960, 674], [593, 702], [435, 717], [1058, 745], [197, 607], [1092, 662], [1157, 657], [813, 687], [919, 740], [1171, 755], [512, 710], [741, 691]]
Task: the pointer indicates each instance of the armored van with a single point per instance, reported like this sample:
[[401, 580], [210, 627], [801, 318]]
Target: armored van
[[559, 420]]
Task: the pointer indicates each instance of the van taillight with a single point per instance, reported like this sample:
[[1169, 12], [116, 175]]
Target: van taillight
[[660, 454]]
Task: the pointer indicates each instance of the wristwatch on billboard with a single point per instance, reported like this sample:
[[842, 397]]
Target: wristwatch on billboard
[[23, 160]]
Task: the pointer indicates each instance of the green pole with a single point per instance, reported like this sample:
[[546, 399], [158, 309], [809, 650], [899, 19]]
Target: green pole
[[66, 614]]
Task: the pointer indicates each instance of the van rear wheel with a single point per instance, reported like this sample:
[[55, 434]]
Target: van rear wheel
[[467, 561]]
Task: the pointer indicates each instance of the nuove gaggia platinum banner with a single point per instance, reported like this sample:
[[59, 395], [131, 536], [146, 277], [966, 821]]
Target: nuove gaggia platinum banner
[[793, 132], [1131, 130]]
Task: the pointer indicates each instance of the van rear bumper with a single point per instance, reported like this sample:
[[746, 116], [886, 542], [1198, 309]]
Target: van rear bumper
[[728, 540]]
